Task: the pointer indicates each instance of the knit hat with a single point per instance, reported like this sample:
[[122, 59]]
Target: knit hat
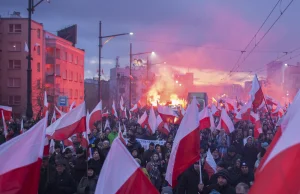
[[244, 164], [224, 173]]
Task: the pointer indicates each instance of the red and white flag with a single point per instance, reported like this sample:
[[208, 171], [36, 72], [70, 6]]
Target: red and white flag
[[152, 121], [230, 104], [215, 111], [143, 121], [5, 130], [68, 142], [210, 165], [20, 171], [114, 110], [53, 119], [161, 126], [244, 113], [6, 112], [95, 115], [166, 113], [73, 105], [255, 119], [282, 162], [204, 119], [256, 93], [22, 130], [61, 113], [134, 108], [225, 122], [107, 125], [71, 123], [122, 103], [186, 146], [127, 178]]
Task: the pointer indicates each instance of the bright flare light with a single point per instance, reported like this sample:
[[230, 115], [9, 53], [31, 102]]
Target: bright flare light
[[131, 33]]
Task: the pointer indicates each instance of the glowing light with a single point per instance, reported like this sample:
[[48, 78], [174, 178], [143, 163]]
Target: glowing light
[[153, 53], [180, 84], [286, 64], [131, 33], [176, 81]]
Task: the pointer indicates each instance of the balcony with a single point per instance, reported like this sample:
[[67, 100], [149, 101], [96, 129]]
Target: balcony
[[50, 59], [50, 79]]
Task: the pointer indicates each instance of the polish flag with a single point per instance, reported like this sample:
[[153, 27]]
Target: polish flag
[[166, 113], [45, 109], [204, 119], [21, 160], [127, 178], [22, 130], [6, 112], [68, 142], [255, 119], [5, 130], [106, 114], [256, 93], [95, 115], [230, 104], [210, 165], [215, 111], [61, 113], [212, 121], [186, 147], [278, 112], [107, 125], [152, 121], [71, 123], [120, 134], [51, 147], [283, 160], [122, 103], [225, 122], [113, 111], [143, 121], [270, 101], [161, 125], [244, 113], [73, 105], [134, 108], [53, 119]]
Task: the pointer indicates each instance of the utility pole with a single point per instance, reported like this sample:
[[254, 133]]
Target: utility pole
[[130, 76], [100, 56]]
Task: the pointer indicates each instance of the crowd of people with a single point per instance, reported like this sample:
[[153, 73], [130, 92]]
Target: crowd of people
[[70, 170]]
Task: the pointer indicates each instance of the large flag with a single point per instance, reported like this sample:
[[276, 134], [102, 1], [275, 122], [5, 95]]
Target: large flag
[[244, 113], [21, 160], [162, 126], [71, 123], [225, 122], [283, 160], [143, 121], [186, 146], [204, 119], [114, 110], [210, 165], [257, 96], [6, 112], [134, 108], [166, 113], [127, 178], [95, 115], [255, 119]]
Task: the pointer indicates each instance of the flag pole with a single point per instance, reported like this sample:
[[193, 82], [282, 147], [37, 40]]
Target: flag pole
[[266, 103], [200, 172]]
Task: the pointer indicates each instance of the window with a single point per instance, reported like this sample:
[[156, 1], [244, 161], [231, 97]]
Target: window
[[15, 28], [71, 58], [76, 94], [71, 76], [14, 82], [14, 46], [38, 67], [38, 83], [71, 93], [76, 60], [65, 74], [14, 64], [57, 52], [80, 78], [57, 69], [38, 33], [66, 56], [14, 100], [38, 50], [76, 77]]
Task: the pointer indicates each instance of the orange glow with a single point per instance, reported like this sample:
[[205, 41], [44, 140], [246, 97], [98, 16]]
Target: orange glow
[[173, 101]]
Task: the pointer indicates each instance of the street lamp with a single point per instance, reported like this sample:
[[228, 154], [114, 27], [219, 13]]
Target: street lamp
[[109, 37], [130, 65], [31, 7]]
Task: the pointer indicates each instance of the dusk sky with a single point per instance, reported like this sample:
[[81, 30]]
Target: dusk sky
[[204, 36]]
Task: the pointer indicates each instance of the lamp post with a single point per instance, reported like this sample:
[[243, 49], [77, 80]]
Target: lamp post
[[30, 9], [130, 68], [109, 37]]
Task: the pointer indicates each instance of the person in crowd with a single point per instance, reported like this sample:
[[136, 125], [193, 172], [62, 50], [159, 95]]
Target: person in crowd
[[134, 144], [112, 135], [79, 168], [214, 178], [61, 182], [88, 183], [250, 153], [246, 176], [259, 157], [168, 147], [97, 162], [216, 154], [45, 172], [57, 151], [222, 135], [231, 157], [148, 153], [242, 188], [188, 182], [143, 169], [69, 158], [223, 147], [235, 172], [154, 169], [222, 186], [105, 148], [158, 149]]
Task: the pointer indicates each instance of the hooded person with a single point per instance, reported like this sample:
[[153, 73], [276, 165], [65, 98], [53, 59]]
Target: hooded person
[[80, 165], [88, 183], [246, 176], [214, 178], [231, 157], [221, 187], [250, 153]]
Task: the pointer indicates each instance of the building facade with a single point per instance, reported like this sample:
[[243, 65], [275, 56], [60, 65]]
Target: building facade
[[291, 82], [13, 64], [91, 91]]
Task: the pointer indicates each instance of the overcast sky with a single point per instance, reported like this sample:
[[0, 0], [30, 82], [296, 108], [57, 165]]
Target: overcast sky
[[204, 36]]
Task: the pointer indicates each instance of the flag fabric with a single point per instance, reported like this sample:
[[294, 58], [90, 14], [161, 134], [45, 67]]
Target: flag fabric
[[244, 112], [283, 160], [107, 125], [7, 110], [166, 113], [5, 130], [20, 171], [127, 178], [22, 130], [53, 119], [61, 113], [204, 119], [152, 121], [68, 142], [186, 146], [255, 119], [210, 165], [26, 49], [134, 108], [161, 126], [143, 121], [106, 114], [212, 121], [215, 111], [114, 110], [71, 123], [225, 122], [73, 105], [95, 115], [256, 93], [122, 103]]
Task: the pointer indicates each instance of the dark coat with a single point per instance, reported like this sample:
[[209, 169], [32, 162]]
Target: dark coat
[[96, 164], [80, 168], [45, 175], [250, 156], [189, 180], [246, 178], [223, 190], [230, 161], [61, 184], [87, 185]]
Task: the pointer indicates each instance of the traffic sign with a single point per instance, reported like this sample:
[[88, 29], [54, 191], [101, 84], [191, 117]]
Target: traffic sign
[[62, 101]]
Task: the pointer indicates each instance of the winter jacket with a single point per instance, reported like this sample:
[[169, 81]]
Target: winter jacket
[[250, 155], [217, 188], [79, 170], [246, 178], [61, 184], [97, 165], [87, 185]]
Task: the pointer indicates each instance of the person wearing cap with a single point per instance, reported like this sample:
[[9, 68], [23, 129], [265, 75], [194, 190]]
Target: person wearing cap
[[235, 172], [88, 183], [214, 179], [222, 186], [231, 157], [62, 182], [189, 180], [246, 176]]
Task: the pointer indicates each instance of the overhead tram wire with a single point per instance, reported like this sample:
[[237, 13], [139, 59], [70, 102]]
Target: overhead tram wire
[[253, 38]]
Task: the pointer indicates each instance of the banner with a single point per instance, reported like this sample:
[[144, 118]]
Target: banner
[[145, 143]]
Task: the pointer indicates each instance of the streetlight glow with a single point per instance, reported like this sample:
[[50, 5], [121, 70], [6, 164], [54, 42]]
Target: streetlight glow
[[179, 84], [153, 53], [176, 82], [131, 33], [286, 64]]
